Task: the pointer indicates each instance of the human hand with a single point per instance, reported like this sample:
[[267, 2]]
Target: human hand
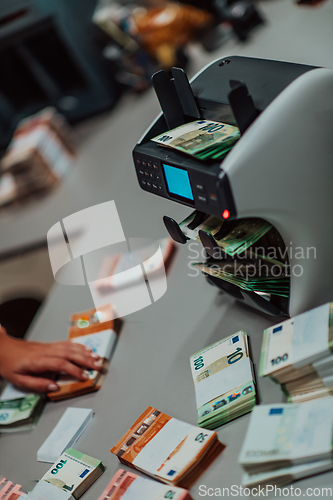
[[25, 363]]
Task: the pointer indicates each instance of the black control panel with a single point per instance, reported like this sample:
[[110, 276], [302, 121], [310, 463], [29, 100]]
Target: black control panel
[[184, 181]]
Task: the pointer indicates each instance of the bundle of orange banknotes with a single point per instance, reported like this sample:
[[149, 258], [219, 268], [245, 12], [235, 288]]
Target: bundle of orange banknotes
[[135, 487], [168, 449], [98, 330]]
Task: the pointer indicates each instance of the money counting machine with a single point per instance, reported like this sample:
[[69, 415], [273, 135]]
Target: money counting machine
[[281, 169]]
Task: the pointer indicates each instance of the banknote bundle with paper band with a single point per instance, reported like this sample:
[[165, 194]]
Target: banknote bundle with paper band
[[98, 330], [74, 472], [21, 413], [286, 442], [298, 354], [168, 449], [40, 152], [135, 487], [223, 381], [10, 490], [203, 139]]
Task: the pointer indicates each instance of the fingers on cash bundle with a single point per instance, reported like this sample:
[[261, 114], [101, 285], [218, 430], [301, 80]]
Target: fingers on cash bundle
[[168, 449], [97, 330], [223, 380]]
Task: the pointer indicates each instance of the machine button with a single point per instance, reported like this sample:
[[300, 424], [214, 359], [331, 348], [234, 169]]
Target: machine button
[[155, 186], [149, 184], [158, 177], [200, 188], [149, 164], [213, 200], [155, 166], [147, 173], [143, 182], [152, 175], [141, 172], [138, 161], [202, 198], [144, 163]]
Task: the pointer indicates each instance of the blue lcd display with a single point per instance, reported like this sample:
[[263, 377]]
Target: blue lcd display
[[178, 182]]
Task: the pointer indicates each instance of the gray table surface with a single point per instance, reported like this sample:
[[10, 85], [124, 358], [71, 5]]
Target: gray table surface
[[150, 365]]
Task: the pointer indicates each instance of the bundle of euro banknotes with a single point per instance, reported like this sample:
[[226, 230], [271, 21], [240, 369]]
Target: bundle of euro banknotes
[[203, 139], [98, 330], [297, 354], [169, 450], [18, 410], [239, 255], [74, 472], [285, 442], [133, 487], [223, 381]]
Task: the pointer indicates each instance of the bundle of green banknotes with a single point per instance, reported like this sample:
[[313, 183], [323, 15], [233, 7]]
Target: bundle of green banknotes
[[249, 254], [203, 139]]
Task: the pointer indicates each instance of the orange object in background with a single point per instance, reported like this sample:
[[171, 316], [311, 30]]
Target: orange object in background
[[164, 29]]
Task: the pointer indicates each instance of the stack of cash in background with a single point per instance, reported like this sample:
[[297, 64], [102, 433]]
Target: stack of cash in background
[[168, 449], [135, 487], [40, 153], [74, 472], [97, 330], [19, 410], [288, 442], [223, 380], [203, 139], [10, 490], [238, 260], [297, 354]]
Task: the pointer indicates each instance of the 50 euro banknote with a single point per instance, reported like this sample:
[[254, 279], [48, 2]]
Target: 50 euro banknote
[[166, 448]]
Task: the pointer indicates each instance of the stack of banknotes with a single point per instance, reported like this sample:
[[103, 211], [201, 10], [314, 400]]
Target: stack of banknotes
[[287, 442], [297, 354], [97, 330], [168, 449], [19, 410], [241, 235], [74, 472], [223, 381], [133, 487], [238, 260], [9, 490], [203, 139]]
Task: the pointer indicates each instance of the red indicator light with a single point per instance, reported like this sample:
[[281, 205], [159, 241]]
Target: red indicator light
[[225, 214]]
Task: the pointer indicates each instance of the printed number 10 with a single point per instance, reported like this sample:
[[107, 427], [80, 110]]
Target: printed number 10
[[235, 356]]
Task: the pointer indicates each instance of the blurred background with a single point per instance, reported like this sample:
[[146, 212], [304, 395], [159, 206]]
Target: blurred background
[[65, 67]]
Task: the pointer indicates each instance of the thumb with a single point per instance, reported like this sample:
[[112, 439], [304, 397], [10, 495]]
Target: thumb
[[35, 384]]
